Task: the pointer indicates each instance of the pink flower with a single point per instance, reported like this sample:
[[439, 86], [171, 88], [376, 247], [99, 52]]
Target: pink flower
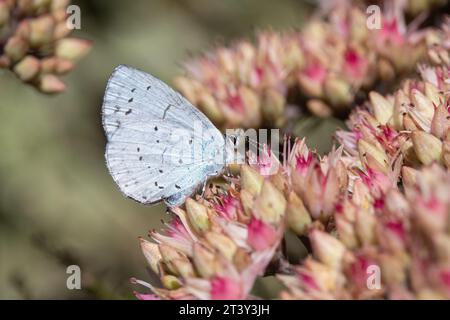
[[234, 101], [146, 296], [223, 288], [228, 207], [358, 271], [308, 280], [378, 182], [390, 32], [397, 228], [266, 162], [303, 162], [355, 65], [260, 235], [316, 72], [444, 277]]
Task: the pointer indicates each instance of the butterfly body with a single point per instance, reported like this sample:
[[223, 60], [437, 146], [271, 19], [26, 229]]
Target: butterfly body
[[160, 147]]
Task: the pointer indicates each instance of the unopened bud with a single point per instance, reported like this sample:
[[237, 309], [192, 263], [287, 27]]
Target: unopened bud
[[251, 180], [72, 48], [298, 217], [273, 106], [168, 255], [50, 83], [427, 147], [16, 48], [327, 248], [372, 156], [209, 106], [319, 108], [27, 68], [382, 107], [270, 204], [151, 253], [41, 30], [441, 121], [170, 282], [204, 261], [409, 176], [338, 92], [197, 215], [221, 243]]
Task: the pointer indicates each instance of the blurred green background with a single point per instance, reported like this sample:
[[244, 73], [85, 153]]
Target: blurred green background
[[58, 204]]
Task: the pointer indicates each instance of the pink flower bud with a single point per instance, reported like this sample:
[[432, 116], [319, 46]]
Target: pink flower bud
[[223, 288], [261, 235]]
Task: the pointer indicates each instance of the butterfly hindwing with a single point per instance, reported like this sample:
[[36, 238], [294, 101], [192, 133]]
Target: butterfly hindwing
[[154, 151]]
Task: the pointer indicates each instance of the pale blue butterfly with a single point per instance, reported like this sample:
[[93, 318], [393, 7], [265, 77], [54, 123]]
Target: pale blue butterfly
[[155, 150]]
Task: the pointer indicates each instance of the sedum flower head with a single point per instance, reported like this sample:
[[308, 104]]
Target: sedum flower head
[[217, 246], [359, 220], [35, 42], [244, 85], [373, 212], [410, 126], [330, 62], [396, 250]]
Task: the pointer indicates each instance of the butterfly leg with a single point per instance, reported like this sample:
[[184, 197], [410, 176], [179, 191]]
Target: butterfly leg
[[175, 200]]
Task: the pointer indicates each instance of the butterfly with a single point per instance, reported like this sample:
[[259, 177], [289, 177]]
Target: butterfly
[[159, 146]]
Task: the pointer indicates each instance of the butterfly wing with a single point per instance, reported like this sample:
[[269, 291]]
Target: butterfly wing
[[159, 145]]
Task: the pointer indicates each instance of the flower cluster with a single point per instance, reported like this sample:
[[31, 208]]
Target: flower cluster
[[35, 42], [330, 62], [399, 249], [375, 211], [219, 245], [245, 85], [357, 219], [412, 124], [391, 229], [412, 8]]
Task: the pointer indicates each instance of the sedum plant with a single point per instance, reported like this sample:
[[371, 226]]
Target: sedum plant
[[218, 245], [326, 67], [405, 238], [373, 213], [35, 42]]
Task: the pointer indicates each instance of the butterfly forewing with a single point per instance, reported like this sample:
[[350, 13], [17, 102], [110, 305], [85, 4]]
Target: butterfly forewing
[[159, 145]]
